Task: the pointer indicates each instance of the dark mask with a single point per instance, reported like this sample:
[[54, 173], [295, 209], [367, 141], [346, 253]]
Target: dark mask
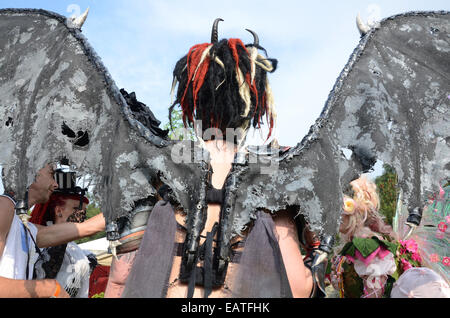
[[77, 217]]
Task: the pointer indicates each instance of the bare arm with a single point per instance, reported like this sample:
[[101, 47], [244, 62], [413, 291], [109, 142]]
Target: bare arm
[[16, 288], [120, 268], [6, 217], [299, 277], [66, 232]]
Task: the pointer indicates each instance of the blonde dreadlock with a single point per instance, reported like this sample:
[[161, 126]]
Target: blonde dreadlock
[[224, 84]]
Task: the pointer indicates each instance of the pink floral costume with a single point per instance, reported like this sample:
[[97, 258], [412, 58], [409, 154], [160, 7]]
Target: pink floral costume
[[368, 267]]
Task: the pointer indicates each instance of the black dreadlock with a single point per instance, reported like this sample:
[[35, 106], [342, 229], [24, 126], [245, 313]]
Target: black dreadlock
[[209, 90]]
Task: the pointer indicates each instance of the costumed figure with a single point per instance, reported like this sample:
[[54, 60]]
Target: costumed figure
[[218, 227], [222, 88], [427, 237], [366, 265], [67, 263], [373, 255]]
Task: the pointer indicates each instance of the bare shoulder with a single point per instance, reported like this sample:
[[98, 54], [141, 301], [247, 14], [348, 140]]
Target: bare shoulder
[[6, 215], [6, 207]]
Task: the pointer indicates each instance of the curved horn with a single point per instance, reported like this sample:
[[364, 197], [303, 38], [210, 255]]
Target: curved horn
[[214, 33], [362, 27], [255, 37], [79, 21]]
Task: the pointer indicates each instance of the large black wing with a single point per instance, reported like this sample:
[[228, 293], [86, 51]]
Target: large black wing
[[390, 103], [52, 78]]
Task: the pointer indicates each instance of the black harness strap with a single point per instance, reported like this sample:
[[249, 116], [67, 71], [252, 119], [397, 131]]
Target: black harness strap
[[204, 275]]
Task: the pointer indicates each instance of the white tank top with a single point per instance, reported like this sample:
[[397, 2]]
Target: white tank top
[[19, 250]]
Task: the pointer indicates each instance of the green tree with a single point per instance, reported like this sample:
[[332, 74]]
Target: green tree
[[177, 131], [388, 192]]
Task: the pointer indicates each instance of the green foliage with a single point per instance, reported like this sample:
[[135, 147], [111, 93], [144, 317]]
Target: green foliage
[[391, 246], [365, 246], [178, 131], [388, 192], [349, 249], [99, 295]]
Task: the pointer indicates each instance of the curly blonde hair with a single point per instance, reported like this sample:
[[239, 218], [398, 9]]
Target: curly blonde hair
[[365, 219]]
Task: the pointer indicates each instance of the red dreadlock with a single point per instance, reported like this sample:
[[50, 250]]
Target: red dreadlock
[[193, 59], [197, 66], [233, 44]]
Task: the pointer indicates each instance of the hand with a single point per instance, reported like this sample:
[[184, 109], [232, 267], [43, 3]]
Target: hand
[[63, 294]]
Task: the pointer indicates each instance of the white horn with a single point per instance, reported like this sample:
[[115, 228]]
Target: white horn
[[362, 27], [79, 21]]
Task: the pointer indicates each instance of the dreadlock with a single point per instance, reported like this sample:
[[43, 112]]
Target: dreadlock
[[224, 85]]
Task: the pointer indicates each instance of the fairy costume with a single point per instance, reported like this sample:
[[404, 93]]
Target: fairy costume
[[368, 263], [371, 266]]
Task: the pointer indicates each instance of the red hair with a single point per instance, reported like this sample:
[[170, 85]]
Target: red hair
[[224, 109], [42, 213], [193, 58]]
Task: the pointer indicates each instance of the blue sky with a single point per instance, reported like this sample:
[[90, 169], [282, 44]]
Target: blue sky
[[139, 42]]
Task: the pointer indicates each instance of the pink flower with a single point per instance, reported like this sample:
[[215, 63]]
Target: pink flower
[[410, 245], [406, 264], [434, 258], [442, 227], [446, 261], [447, 219], [416, 257]]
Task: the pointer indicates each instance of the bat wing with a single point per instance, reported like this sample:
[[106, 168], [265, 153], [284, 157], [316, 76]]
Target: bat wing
[[51, 76], [390, 103]]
